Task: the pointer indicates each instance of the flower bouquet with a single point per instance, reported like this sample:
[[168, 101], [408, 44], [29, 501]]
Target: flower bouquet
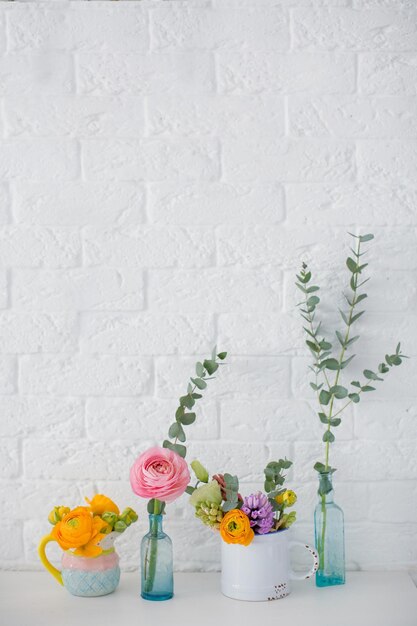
[[90, 564], [255, 548], [218, 504]]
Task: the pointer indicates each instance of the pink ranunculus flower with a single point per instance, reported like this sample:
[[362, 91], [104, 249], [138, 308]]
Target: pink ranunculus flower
[[159, 473]]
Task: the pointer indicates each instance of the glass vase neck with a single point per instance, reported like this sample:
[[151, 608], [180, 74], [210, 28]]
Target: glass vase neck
[[325, 490], [155, 523]]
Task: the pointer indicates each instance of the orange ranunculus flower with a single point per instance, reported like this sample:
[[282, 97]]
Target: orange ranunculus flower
[[235, 528], [78, 529], [91, 548], [100, 504]]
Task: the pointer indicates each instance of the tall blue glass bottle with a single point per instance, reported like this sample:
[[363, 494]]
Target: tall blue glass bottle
[[329, 535], [157, 575]]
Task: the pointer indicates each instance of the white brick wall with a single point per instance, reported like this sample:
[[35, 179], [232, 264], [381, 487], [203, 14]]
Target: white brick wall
[[165, 166]]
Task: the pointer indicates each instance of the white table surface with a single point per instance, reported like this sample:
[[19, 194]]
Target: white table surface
[[367, 599]]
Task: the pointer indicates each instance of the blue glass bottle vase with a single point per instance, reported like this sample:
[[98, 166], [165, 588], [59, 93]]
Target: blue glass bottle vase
[[156, 562], [329, 535]]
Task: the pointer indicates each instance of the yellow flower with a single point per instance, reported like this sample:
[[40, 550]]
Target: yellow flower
[[91, 548], [80, 530], [288, 498], [102, 504], [57, 514], [235, 528]]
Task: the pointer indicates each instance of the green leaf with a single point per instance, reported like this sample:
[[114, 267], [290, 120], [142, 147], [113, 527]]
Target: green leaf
[[398, 348], [319, 467], [229, 505], [340, 338], [269, 485], [199, 382], [179, 413], [222, 356], [187, 419], [388, 359], [395, 360], [331, 364], [352, 340], [325, 345], [323, 418], [352, 266], [365, 238], [313, 346], [356, 383], [346, 363], [356, 317], [313, 301], [190, 490], [312, 289], [211, 366], [181, 435], [213, 353], [187, 401], [361, 297], [301, 287], [382, 368], [355, 397], [160, 506], [368, 388], [335, 421], [174, 430], [196, 396], [316, 387], [175, 447], [371, 375], [189, 388], [324, 397], [339, 392], [199, 369], [344, 318], [325, 485], [328, 436]]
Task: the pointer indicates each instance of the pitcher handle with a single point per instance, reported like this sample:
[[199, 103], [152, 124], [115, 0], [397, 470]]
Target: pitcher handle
[[313, 570], [45, 562]]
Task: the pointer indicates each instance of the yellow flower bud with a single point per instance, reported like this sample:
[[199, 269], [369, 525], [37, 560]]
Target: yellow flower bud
[[287, 498], [57, 513]]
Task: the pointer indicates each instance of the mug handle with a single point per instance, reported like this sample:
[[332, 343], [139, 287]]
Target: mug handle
[[313, 570], [47, 564]]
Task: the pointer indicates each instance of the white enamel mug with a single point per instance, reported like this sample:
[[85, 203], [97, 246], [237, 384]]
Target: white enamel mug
[[262, 570]]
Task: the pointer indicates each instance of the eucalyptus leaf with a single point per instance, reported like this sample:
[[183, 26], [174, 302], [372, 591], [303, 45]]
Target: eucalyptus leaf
[[365, 238], [174, 429], [346, 362], [339, 392], [187, 419], [371, 375], [199, 369], [211, 366], [328, 436], [199, 382], [352, 266], [355, 397], [324, 397], [331, 364]]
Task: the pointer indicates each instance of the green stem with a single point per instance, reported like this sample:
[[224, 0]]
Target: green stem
[[342, 354], [152, 551]]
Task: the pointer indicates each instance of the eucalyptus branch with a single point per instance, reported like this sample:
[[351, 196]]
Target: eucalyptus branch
[[204, 373], [322, 349]]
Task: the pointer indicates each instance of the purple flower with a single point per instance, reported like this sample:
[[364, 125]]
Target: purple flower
[[260, 512]]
